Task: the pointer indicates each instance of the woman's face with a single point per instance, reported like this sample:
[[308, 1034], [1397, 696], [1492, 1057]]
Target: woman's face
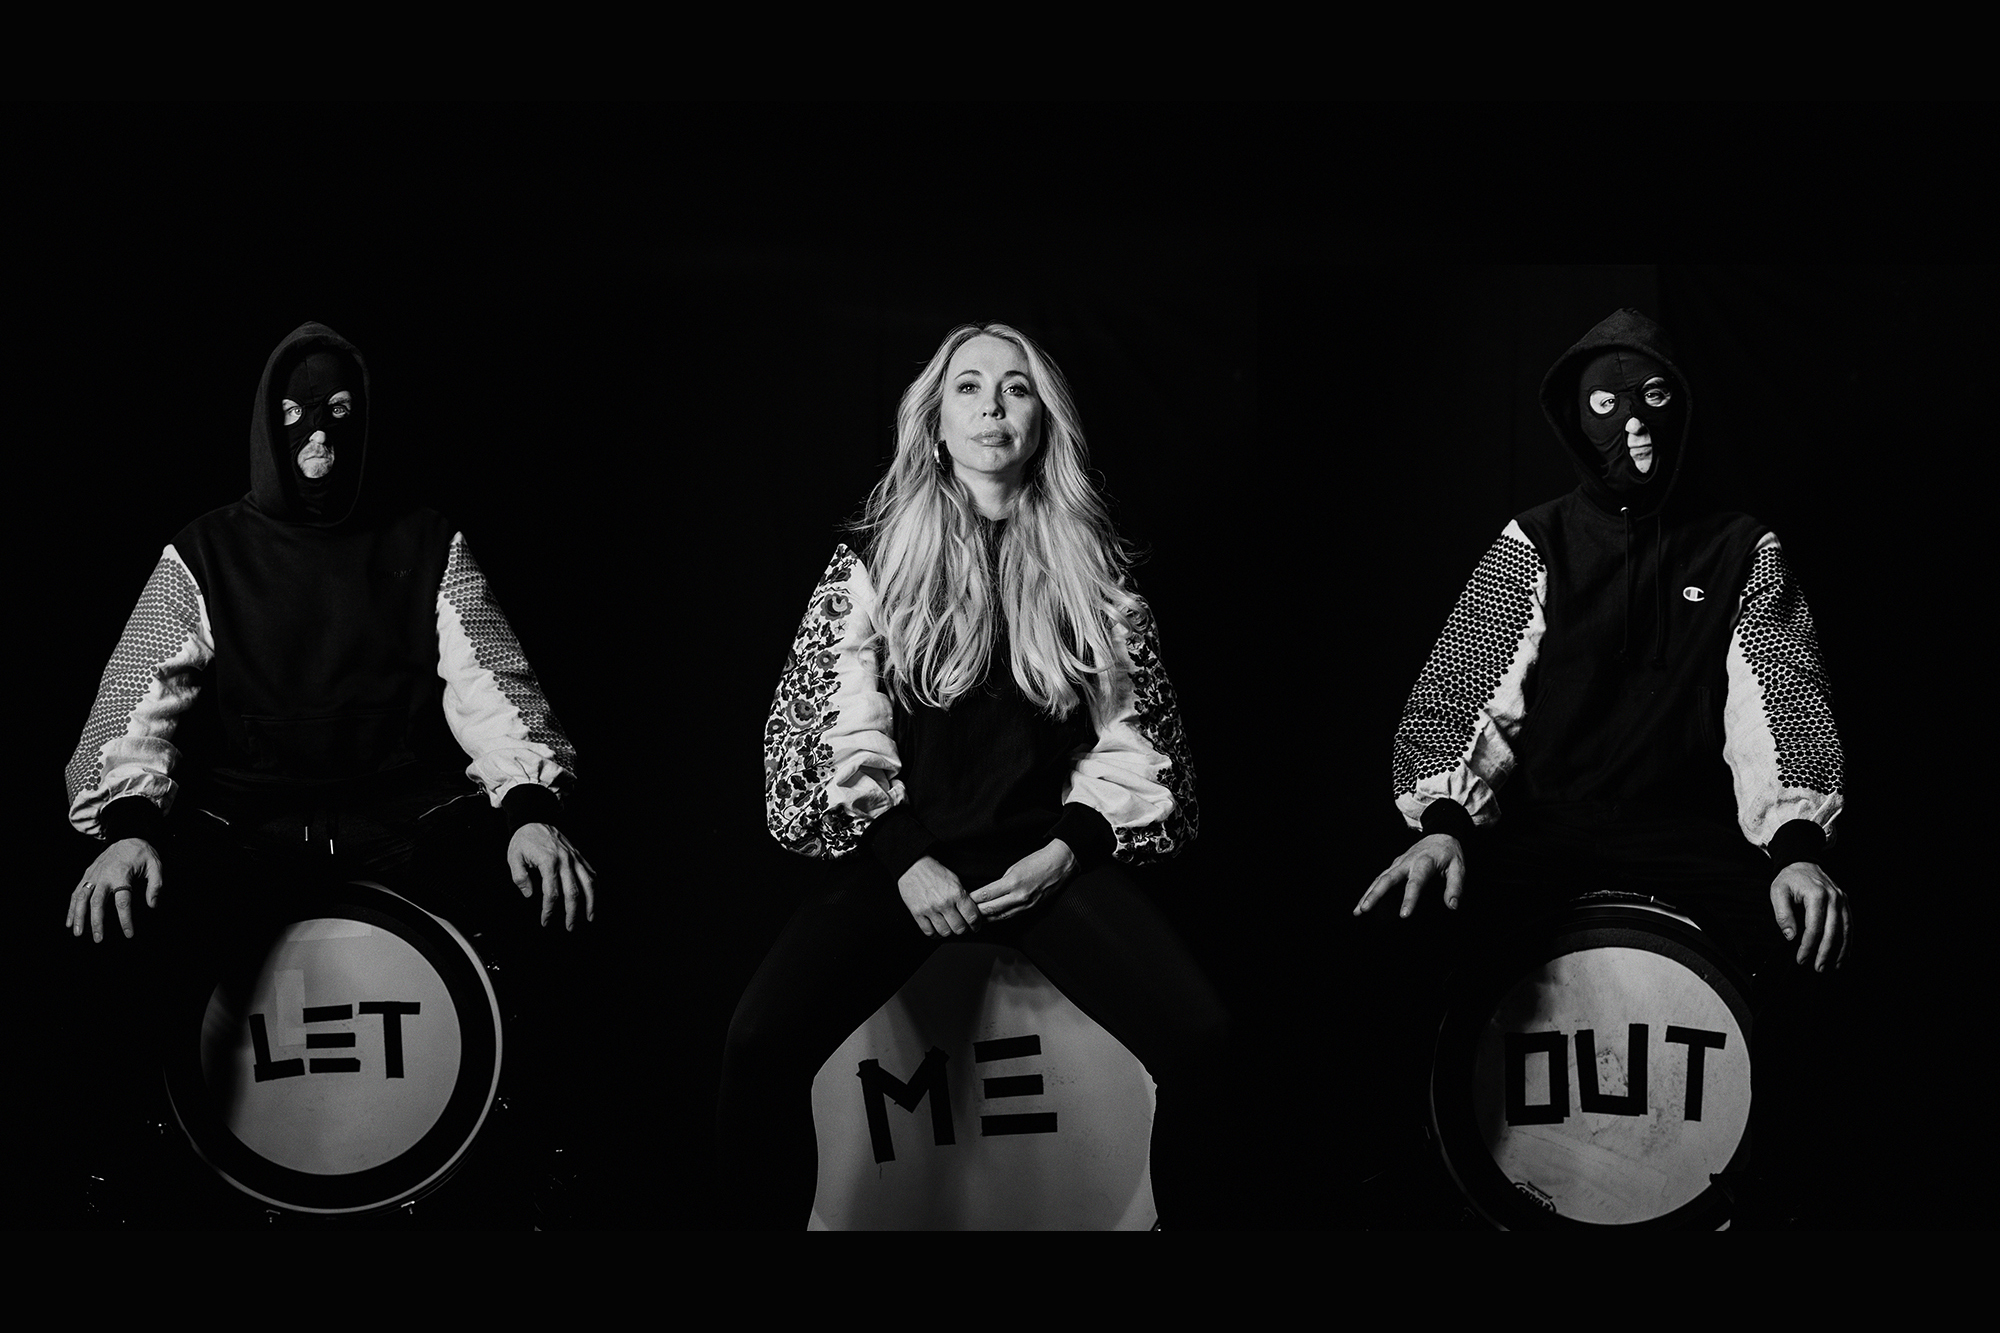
[[990, 418]]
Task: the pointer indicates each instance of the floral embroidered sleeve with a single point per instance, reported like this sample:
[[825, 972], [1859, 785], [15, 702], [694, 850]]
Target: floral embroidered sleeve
[[151, 680], [1779, 738], [830, 763], [1455, 739], [1138, 775]]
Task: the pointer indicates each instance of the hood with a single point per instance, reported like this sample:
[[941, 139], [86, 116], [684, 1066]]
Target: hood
[[1623, 329], [274, 481]]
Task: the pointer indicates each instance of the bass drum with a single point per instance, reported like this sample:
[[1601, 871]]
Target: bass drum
[[1599, 1074], [347, 1062]]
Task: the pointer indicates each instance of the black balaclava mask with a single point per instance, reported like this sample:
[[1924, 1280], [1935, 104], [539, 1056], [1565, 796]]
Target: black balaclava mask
[[1625, 398], [324, 421]]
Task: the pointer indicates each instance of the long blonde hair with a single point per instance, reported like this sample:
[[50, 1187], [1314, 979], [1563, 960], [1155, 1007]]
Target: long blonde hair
[[1060, 564]]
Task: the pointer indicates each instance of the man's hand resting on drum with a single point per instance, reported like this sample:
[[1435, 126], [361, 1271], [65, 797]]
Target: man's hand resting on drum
[[540, 854], [1802, 889], [1808, 906], [1433, 858], [120, 873]]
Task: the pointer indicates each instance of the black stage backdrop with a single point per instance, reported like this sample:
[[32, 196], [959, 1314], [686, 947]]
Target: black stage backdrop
[[648, 357]]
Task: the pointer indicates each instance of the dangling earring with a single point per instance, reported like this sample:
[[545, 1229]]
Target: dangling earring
[[943, 462]]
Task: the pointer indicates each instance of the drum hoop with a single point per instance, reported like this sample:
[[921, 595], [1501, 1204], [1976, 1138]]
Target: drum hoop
[[1589, 924], [442, 1149]]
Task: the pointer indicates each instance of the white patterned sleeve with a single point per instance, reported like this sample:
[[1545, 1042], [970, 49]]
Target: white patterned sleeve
[[1779, 738], [492, 700], [1138, 775], [1456, 737], [151, 680], [830, 762]]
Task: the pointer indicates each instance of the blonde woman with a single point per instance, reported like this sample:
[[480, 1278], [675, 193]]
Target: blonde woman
[[975, 730]]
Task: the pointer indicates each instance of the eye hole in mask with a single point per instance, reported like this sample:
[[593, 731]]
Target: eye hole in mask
[[1656, 393], [339, 407]]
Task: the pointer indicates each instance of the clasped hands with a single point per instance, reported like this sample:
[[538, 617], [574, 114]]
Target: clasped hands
[[1806, 904], [941, 906]]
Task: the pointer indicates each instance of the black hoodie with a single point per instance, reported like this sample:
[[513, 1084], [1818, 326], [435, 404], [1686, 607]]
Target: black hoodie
[[325, 684], [1625, 706]]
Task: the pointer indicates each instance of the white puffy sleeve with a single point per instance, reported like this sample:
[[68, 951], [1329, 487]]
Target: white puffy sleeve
[[1138, 774], [1456, 738], [492, 700], [830, 763], [1778, 734], [151, 680]]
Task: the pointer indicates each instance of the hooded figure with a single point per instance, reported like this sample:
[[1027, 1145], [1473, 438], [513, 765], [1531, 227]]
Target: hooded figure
[[313, 648], [1626, 672]]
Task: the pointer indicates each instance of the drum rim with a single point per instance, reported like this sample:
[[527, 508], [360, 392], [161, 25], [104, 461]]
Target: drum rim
[[1599, 920], [432, 1159]]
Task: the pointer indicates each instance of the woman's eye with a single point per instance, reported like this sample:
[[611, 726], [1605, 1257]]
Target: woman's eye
[[1602, 402]]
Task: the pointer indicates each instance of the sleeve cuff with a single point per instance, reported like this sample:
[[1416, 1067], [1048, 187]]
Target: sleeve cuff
[[1445, 815], [132, 817], [1088, 834], [1799, 840], [898, 840], [531, 803]]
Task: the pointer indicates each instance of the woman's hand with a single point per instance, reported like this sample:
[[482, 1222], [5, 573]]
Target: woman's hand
[[539, 852], [1436, 856], [937, 900], [118, 873], [1026, 882]]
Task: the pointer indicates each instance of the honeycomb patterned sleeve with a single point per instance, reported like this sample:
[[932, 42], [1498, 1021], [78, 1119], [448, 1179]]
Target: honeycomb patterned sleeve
[[1455, 740], [1138, 774], [1778, 735], [830, 762], [151, 680], [492, 701]]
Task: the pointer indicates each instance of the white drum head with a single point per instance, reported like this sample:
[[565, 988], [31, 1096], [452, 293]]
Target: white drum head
[[348, 1064], [1599, 1077], [1045, 1121]]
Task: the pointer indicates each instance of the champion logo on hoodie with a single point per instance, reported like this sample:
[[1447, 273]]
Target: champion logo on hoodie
[[1693, 594]]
